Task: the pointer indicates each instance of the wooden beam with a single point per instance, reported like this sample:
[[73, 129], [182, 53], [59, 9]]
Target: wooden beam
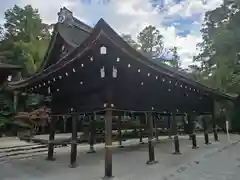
[[206, 138], [73, 156], [140, 130], [214, 124], [156, 126], [92, 119], [193, 134], [169, 121], [119, 122], [108, 143], [175, 138], [52, 126], [149, 118]]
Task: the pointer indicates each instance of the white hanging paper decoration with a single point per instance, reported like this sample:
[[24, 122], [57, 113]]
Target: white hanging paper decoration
[[73, 70], [54, 79], [156, 77], [63, 48], [81, 82], [57, 90], [66, 74], [49, 90], [9, 78], [139, 70], [141, 83], [149, 74], [103, 50], [112, 105], [118, 59], [129, 65], [114, 73], [102, 71], [91, 58], [82, 65], [60, 77]]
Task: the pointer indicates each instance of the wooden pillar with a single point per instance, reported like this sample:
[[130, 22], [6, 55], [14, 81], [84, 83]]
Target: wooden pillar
[[120, 132], [149, 118], [64, 124], [169, 127], [215, 134], [205, 128], [15, 100], [108, 143], [52, 126], [156, 127], [140, 130], [189, 128], [92, 128], [73, 156], [175, 139], [192, 131]]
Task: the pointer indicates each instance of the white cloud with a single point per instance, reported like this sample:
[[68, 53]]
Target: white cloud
[[130, 16]]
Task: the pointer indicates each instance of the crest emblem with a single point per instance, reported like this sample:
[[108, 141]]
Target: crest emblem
[[65, 16]]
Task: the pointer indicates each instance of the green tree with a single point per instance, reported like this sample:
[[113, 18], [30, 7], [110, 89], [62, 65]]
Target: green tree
[[175, 60], [1, 33], [219, 56], [151, 42], [220, 47], [25, 38], [128, 38]]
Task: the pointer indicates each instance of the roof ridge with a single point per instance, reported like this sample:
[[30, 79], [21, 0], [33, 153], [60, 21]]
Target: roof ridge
[[66, 16]]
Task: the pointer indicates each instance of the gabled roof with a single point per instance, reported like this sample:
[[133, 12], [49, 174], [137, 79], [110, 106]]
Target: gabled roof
[[103, 29], [68, 32]]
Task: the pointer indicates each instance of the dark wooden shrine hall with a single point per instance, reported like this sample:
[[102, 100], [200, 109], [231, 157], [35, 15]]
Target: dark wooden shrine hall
[[94, 71], [7, 71]]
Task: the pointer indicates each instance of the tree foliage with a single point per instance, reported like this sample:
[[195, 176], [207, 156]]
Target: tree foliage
[[25, 38], [128, 39], [219, 56], [175, 60], [151, 42]]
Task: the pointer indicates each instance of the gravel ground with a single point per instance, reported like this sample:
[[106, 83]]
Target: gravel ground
[[217, 161]]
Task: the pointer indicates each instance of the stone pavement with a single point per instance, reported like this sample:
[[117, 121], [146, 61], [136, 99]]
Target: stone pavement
[[218, 160], [11, 142], [221, 165]]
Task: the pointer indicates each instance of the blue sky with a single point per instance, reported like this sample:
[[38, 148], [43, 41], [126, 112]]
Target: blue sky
[[179, 21]]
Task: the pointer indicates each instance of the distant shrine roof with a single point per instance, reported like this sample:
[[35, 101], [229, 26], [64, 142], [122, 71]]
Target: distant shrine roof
[[6, 70], [68, 33]]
